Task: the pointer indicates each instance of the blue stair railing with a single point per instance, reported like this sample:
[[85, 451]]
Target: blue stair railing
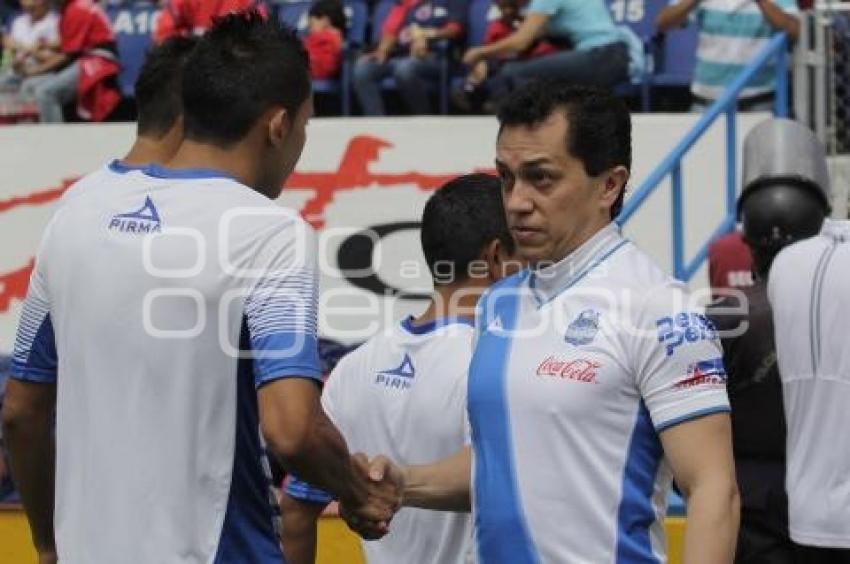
[[776, 49]]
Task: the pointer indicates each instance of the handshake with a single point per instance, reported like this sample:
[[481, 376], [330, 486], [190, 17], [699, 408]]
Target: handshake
[[377, 492]]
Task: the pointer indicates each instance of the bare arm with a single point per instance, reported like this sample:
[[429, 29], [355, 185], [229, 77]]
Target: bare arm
[[307, 443], [28, 410], [675, 15], [299, 529], [530, 29], [779, 19], [49, 64], [441, 486], [700, 454]]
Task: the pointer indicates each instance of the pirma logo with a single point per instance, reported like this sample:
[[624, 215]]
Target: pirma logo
[[143, 220], [400, 377]]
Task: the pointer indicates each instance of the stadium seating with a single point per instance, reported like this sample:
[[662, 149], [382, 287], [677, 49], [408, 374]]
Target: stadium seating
[[671, 56], [295, 14], [133, 25], [379, 13]]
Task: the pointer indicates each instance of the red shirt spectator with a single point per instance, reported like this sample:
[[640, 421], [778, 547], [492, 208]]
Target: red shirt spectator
[[84, 26], [186, 17], [327, 23], [324, 48], [730, 263], [507, 25], [85, 36], [446, 15]]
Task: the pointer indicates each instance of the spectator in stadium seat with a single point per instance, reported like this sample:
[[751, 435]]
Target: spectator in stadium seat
[[731, 33], [193, 17], [85, 70], [409, 51], [474, 88], [599, 56], [32, 38], [327, 23]]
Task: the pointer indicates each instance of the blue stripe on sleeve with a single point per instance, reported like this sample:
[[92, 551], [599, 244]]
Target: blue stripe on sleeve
[[284, 355], [35, 359]]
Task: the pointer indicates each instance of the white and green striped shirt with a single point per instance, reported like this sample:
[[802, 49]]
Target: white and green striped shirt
[[731, 33]]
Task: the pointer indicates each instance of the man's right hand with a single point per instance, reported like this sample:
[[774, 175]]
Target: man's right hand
[[383, 485], [47, 557]]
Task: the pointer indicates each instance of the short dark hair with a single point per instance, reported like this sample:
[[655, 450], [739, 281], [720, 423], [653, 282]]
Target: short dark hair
[[460, 220], [242, 66], [158, 88], [331, 9], [600, 127]]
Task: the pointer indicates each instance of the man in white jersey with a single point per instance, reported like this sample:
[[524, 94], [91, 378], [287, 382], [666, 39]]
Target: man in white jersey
[[404, 391], [159, 120], [170, 321], [808, 291], [594, 378]]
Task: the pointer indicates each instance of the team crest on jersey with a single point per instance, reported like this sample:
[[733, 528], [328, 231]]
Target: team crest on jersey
[[143, 220], [399, 377], [583, 329]]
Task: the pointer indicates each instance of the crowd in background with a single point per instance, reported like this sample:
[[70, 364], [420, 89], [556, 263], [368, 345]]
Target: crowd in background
[[62, 59]]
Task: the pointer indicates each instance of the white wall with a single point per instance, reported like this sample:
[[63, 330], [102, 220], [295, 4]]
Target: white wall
[[391, 167]]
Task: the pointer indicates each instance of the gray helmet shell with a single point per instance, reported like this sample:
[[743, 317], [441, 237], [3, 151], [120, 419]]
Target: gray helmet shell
[[782, 151]]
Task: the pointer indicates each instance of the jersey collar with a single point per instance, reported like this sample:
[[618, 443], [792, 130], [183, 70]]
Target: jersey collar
[[548, 282], [431, 326]]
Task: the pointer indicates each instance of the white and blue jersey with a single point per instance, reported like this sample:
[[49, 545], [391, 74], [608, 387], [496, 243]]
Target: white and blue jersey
[[160, 301], [576, 370], [403, 394]]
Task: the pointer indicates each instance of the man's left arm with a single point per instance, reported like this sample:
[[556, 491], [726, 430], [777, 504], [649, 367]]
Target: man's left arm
[[700, 453], [779, 19], [28, 409], [682, 381]]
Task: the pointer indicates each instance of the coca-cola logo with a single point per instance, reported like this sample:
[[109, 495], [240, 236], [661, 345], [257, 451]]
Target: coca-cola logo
[[579, 370]]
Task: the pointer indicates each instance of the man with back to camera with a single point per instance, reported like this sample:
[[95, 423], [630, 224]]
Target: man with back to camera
[[594, 381], [167, 339], [808, 292], [404, 390], [159, 120], [775, 212]]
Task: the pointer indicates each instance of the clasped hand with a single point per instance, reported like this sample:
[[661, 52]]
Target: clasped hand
[[380, 485]]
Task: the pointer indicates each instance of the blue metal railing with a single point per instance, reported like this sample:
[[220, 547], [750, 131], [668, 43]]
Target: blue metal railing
[[672, 165]]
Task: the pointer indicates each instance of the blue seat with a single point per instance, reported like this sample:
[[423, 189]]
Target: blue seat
[[295, 14], [675, 56], [133, 26], [379, 13], [639, 16]]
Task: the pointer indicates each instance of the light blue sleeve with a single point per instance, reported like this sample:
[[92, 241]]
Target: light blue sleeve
[[548, 7]]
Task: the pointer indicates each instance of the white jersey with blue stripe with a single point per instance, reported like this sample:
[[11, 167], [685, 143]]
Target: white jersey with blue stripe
[[576, 370], [403, 394], [808, 293], [160, 301]]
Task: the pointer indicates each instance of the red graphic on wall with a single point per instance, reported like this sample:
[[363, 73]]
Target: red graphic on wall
[[13, 285], [352, 174]]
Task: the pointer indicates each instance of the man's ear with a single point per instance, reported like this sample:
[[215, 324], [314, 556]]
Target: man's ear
[[613, 184], [500, 263], [279, 125]]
